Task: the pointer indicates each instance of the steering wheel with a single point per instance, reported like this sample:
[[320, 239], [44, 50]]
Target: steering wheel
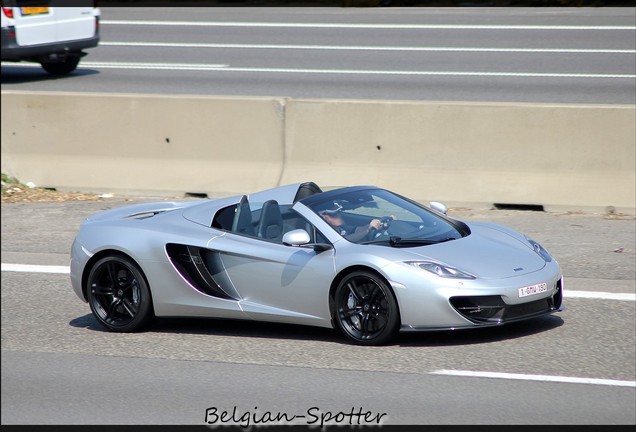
[[375, 232], [386, 221]]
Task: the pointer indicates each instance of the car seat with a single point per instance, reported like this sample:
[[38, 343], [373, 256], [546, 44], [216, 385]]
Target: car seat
[[270, 226]]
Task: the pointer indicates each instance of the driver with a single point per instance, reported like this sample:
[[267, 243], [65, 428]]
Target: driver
[[333, 216]]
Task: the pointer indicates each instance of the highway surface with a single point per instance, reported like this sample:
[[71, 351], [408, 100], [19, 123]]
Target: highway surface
[[541, 55], [575, 367], [60, 367]]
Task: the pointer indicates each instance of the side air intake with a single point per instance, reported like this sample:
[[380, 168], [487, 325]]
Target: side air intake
[[191, 264]]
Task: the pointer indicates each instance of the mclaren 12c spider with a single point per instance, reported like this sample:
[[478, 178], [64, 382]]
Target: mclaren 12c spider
[[360, 259]]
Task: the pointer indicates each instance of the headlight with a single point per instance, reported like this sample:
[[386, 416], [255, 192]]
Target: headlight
[[539, 249], [441, 270]]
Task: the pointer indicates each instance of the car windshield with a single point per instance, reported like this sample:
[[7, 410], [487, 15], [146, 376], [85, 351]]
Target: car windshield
[[378, 216]]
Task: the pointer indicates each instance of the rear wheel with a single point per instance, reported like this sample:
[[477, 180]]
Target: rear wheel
[[118, 294], [365, 309], [63, 67]]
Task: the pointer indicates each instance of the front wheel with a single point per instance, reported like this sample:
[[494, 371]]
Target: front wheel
[[365, 309], [118, 294]]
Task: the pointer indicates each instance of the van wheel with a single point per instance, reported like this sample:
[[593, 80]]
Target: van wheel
[[64, 67]]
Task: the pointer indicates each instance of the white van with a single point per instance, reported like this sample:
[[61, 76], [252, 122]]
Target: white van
[[55, 37]]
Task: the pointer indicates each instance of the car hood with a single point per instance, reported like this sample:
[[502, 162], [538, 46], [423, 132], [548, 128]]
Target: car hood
[[489, 252]]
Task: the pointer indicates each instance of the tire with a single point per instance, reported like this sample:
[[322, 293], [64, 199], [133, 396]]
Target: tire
[[65, 67], [118, 294], [365, 309]]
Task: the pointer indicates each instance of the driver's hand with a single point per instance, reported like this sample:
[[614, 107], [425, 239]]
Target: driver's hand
[[375, 223]]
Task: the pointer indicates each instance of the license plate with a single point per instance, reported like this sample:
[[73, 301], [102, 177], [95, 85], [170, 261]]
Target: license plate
[[34, 10], [533, 290]]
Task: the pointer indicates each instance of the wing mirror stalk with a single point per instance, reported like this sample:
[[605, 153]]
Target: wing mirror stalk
[[318, 247]]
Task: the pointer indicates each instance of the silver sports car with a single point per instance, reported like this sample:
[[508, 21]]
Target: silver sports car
[[361, 259]]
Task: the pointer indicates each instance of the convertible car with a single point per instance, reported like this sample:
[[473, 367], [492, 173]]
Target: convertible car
[[360, 259]]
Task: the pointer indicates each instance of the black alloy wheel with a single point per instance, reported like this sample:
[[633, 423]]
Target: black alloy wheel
[[365, 309], [118, 294]]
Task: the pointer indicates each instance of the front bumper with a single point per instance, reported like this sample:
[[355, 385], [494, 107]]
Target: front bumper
[[430, 303], [493, 309]]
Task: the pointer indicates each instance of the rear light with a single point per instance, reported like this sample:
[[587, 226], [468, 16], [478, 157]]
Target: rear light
[[8, 12]]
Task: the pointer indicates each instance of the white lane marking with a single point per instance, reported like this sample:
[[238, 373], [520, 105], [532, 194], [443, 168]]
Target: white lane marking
[[545, 378], [31, 268], [599, 295], [133, 65], [225, 68], [361, 26], [355, 72], [365, 48], [155, 66]]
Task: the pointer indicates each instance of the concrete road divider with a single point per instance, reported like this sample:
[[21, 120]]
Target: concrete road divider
[[561, 157], [556, 156], [142, 143]]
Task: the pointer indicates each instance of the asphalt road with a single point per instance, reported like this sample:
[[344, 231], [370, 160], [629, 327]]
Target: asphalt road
[[60, 367], [539, 55]]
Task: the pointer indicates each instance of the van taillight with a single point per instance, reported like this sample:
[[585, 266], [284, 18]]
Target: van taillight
[[8, 12]]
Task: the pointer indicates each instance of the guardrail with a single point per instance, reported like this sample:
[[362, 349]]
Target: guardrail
[[561, 157]]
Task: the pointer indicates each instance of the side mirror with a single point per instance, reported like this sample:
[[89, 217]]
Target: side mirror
[[300, 238], [297, 237], [437, 206]]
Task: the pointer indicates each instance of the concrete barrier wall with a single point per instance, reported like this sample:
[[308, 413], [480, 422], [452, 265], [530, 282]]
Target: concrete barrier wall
[[571, 156], [565, 157], [142, 143]]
